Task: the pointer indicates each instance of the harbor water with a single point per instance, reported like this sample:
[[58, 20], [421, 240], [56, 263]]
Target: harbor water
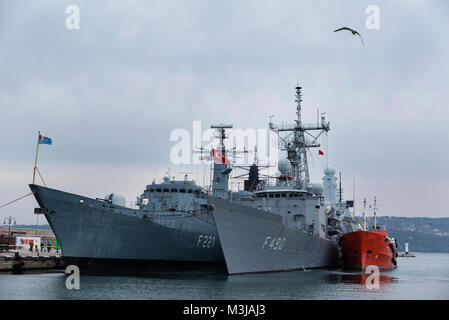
[[424, 277]]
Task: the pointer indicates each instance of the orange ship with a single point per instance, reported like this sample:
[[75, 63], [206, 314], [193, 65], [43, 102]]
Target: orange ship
[[361, 249]]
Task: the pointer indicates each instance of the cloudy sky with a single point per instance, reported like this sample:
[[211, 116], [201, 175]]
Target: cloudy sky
[[110, 93]]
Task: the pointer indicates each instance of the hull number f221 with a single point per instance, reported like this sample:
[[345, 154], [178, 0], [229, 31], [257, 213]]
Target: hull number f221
[[205, 241], [274, 243]]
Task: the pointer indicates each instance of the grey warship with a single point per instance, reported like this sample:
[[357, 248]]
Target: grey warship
[[172, 229], [179, 225], [292, 224]]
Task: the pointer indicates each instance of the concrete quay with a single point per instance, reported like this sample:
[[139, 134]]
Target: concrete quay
[[15, 261]]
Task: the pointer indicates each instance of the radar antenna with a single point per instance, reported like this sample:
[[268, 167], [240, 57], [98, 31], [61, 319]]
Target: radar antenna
[[293, 140]]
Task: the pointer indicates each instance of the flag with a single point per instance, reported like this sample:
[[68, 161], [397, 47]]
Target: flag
[[218, 157], [207, 158], [321, 153], [44, 140]]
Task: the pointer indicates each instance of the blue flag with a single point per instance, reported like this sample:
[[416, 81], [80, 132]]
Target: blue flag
[[44, 140]]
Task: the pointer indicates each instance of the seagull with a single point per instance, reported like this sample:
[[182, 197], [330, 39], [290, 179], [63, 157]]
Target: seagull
[[353, 32]]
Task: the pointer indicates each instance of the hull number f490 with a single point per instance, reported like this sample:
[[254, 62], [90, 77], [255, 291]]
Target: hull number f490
[[274, 243]]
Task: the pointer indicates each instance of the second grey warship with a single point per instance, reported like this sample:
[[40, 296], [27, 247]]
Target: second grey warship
[[292, 224]]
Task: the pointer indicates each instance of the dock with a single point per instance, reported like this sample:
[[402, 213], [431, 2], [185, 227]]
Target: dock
[[29, 249], [14, 261], [406, 254]]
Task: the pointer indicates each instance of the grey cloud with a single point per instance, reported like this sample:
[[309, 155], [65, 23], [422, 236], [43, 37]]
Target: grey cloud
[[111, 93]]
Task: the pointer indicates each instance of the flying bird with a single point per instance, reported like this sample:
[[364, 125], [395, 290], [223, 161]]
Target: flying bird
[[353, 32]]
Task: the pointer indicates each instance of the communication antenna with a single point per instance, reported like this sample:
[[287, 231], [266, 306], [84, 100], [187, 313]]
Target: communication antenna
[[340, 190], [375, 218], [353, 195], [293, 139], [364, 216]]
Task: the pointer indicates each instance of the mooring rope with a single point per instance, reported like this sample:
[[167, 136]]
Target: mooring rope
[[41, 177], [4, 205]]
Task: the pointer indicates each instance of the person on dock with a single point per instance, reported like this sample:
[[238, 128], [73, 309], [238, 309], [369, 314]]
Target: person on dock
[[36, 246], [42, 246], [31, 246], [48, 246]]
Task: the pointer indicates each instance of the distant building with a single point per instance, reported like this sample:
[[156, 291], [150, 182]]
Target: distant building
[[19, 235]]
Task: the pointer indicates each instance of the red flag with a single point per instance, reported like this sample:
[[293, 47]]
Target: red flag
[[218, 157], [321, 153]]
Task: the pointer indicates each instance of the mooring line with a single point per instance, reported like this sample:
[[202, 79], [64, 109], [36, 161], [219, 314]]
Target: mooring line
[[41, 176], [4, 205]]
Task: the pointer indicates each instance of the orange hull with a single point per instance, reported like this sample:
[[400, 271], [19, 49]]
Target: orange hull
[[361, 249]]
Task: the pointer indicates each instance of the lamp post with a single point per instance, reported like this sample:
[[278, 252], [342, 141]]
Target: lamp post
[[10, 220]]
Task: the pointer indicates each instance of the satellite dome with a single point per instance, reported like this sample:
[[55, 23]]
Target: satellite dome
[[329, 171], [284, 166]]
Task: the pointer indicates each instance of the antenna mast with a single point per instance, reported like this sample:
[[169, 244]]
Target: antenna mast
[[221, 168], [364, 216], [375, 218], [296, 144]]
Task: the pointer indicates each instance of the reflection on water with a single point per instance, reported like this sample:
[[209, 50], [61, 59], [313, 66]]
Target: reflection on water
[[423, 277], [361, 278]]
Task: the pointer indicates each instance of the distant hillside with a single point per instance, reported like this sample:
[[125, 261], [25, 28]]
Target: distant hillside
[[422, 234], [29, 226]]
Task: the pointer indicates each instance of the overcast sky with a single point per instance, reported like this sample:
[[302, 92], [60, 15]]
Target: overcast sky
[[110, 93]]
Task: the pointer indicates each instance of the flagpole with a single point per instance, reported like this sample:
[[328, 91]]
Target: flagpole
[[37, 152]]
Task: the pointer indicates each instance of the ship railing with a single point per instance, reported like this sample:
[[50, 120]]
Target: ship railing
[[301, 127]]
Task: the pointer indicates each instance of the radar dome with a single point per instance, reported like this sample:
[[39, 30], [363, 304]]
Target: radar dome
[[329, 171], [284, 166], [315, 188], [115, 198]]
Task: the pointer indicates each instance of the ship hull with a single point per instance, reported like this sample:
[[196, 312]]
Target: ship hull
[[361, 249], [100, 236], [254, 240]]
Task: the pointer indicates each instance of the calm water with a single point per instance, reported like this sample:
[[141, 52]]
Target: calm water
[[423, 277]]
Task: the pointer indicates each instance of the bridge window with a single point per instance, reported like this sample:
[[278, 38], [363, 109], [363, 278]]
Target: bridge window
[[158, 190], [190, 191], [174, 190], [166, 190], [182, 190], [271, 195], [277, 195]]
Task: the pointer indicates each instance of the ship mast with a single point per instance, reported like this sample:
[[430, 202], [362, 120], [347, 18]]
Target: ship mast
[[364, 216], [375, 218], [222, 167], [296, 144]]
